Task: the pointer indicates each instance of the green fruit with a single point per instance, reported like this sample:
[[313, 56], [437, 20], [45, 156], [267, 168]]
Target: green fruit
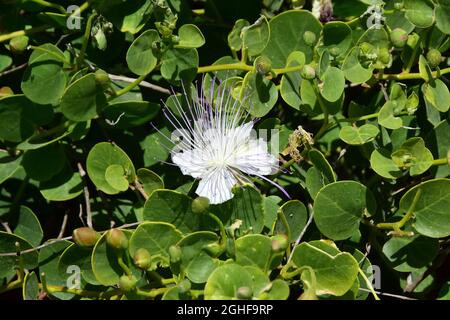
[[335, 51], [184, 286], [434, 58], [309, 38], [102, 78], [399, 37], [398, 5], [142, 259], [214, 249], [175, 254], [200, 205], [19, 44], [263, 65], [308, 72], [244, 293], [85, 237], [127, 283], [280, 243], [117, 239]]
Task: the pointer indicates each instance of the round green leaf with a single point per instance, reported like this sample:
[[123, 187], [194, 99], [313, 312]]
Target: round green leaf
[[358, 135], [83, 99], [149, 180], [420, 12], [335, 271], [259, 94], [62, 187], [432, 217], [179, 64], [190, 37], [382, 164], [437, 94], [234, 37], [407, 254], [5, 62], [115, 176], [286, 35], [8, 165], [128, 114], [414, 156], [337, 35], [44, 163], [256, 36], [339, 207], [44, 79], [320, 162], [74, 258], [290, 82], [8, 264], [156, 237], [442, 12], [254, 250], [140, 56], [28, 226], [296, 216], [333, 84], [386, 117], [225, 280], [353, 70], [103, 155], [30, 287]]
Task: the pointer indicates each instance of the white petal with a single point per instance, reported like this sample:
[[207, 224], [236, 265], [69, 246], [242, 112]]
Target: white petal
[[216, 186], [191, 162], [253, 158]]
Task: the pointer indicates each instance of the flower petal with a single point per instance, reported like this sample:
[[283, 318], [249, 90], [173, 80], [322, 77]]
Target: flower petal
[[191, 162], [217, 185], [253, 158]]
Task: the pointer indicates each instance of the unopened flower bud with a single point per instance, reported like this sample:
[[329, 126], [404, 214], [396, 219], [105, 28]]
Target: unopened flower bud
[[308, 72], [399, 37], [384, 56], [117, 239], [175, 254], [200, 205], [280, 243], [6, 91], [434, 58], [263, 65], [142, 259], [19, 44], [335, 51], [85, 237], [398, 5], [310, 38], [244, 293], [184, 286], [101, 77], [127, 283], [214, 249]]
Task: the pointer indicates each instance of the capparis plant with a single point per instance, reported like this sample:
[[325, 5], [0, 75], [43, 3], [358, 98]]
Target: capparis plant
[[93, 205]]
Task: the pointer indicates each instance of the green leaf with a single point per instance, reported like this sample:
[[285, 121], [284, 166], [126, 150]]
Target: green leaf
[[339, 207], [28, 226], [83, 99], [270, 210], [436, 93], [247, 205], [156, 237], [256, 36], [414, 156], [255, 250], [432, 218], [8, 264], [44, 163], [44, 79], [260, 94], [442, 12], [425, 70], [5, 62], [179, 64], [156, 146], [103, 155], [8, 165], [387, 118], [407, 254], [171, 207], [105, 267], [195, 261], [359, 135], [335, 271], [315, 180], [74, 259], [353, 70], [115, 176], [420, 12], [320, 162], [284, 28], [290, 82], [337, 36], [333, 84], [30, 287], [190, 37], [234, 37], [141, 58], [383, 165], [62, 187], [150, 180], [296, 216]]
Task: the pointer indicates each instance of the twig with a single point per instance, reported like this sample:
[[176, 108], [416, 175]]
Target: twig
[[63, 226], [141, 190], [144, 84], [310, 219], [4, 73], [388, 294], [86, 196], [6, 226]]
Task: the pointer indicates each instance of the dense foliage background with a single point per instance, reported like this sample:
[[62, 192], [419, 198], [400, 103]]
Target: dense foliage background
[[358, 90]]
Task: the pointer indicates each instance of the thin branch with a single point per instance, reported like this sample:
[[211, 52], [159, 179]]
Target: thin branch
[[6, 226], [144, 84], [310, 219], [4, 73], [388, 294], [140, 188], [86, 196], [63, 226]]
